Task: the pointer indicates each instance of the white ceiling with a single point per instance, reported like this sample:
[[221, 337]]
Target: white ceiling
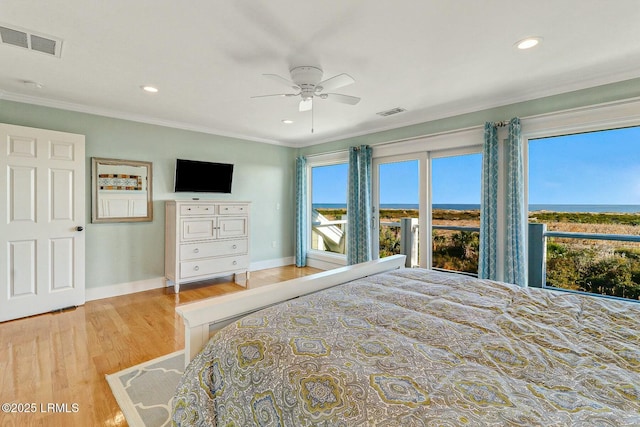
[[435, 58]]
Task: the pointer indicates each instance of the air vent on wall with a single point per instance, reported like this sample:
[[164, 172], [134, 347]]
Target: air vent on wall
[[391, 112], [29, 40]]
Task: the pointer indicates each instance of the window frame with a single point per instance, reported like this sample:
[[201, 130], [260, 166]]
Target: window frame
[[611, 115], [444, 153], [603, 116], [596, 118], [424, 149], [423, 191], [317, 258]]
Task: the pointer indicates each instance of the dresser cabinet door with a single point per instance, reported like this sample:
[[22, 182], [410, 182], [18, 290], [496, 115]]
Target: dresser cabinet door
[[198, 229], [232, 227]]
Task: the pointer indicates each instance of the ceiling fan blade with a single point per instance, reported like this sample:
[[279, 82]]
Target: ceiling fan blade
[[282, 80], [343, 99], [306, 104], [335, 82], [276, 94]]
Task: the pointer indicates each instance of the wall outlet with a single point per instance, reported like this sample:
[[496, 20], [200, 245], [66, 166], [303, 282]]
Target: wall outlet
[[274, 244]]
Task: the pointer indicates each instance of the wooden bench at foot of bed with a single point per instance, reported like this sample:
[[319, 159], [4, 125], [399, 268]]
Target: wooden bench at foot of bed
[[202, 318]]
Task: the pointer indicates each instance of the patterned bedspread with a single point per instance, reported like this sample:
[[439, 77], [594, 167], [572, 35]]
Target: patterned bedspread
[[421, 348]]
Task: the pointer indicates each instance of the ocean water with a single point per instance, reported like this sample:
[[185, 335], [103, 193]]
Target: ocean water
[[532, 208]]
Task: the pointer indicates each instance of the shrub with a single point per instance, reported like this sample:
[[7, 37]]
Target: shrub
[[585, 270]]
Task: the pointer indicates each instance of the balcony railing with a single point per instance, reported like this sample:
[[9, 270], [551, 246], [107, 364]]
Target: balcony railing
[[409, 231], [537, 243], [538, 251], [409, 238]]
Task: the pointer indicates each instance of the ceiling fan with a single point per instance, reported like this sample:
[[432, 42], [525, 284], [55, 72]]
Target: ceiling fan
[[307, 83]]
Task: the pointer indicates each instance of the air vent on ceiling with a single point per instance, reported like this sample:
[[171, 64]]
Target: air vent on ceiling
[[391, 112], [29, 40]]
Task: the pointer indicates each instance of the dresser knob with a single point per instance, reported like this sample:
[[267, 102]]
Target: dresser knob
[[234, 247], [235, 262], [196, 268], [196, 250]]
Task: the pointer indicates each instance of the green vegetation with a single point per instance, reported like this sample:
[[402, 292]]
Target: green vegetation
[[590, 270], [389, 241], [585, 218], [600, 267], [457, 251]]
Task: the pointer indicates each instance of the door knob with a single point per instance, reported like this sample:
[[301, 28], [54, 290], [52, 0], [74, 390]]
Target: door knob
[[79, 228]]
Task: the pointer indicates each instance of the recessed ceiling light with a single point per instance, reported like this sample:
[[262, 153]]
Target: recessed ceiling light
[[287, 121], [528, 43], [149, 89]]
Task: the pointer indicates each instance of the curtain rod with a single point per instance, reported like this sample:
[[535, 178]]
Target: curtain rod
[[412, 138], [501, 124], [396, 141]]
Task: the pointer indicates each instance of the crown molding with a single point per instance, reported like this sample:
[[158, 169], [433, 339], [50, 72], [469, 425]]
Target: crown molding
[[530, 95], [458, 109], [140, 118]]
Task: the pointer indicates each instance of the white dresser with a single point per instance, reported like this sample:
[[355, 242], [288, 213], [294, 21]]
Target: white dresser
[[206, 239]]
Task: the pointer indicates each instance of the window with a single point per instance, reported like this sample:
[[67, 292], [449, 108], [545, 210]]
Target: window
[[585, 189], [455, 212], [329, 207], [398, 207]]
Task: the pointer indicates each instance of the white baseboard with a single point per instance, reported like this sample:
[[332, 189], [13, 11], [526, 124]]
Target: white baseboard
[[271, 263], [124, 288], [121, 289]]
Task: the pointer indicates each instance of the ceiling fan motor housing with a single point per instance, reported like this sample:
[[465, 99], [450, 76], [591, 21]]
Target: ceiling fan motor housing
[[306, 78]]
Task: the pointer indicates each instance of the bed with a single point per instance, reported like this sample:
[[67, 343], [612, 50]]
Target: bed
[[414, 347]]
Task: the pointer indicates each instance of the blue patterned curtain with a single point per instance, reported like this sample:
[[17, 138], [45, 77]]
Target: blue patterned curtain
[[488, 257], [515, 211], [359, 215], [302, 214]]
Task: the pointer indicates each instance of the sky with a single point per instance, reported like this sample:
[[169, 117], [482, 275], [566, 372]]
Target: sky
[[600, 168], [591, 168]]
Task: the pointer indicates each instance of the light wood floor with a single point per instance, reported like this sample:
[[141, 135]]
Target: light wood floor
[[64, 357]]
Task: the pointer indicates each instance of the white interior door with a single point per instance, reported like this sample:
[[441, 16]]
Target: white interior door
[[42, 215]]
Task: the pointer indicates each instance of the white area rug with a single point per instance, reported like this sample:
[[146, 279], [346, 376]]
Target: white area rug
[[144, 392]]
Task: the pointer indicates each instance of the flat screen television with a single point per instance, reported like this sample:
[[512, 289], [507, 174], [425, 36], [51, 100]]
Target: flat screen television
[[203, 177]]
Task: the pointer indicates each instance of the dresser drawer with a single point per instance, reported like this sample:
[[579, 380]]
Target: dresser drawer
[[194, 251], [216, 265], [195, 209], [233, 209]]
